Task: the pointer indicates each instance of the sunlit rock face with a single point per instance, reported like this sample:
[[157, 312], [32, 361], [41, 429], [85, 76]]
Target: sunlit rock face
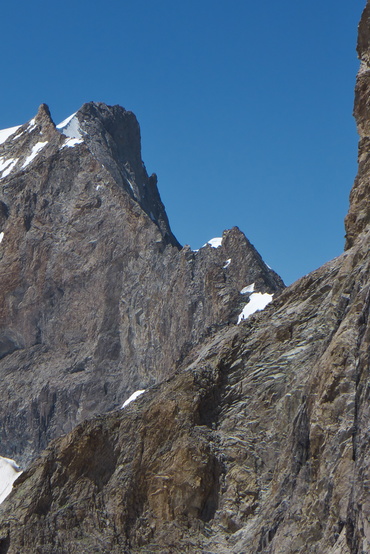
[[258, 443], [97, 298]]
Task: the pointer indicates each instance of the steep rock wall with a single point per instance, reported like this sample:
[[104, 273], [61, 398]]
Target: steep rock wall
[[259, 443], [358, 216], [98, 299]]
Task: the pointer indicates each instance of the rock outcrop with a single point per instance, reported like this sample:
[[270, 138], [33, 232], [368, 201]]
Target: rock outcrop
[[259, 442], [98, 299], [358, 216]]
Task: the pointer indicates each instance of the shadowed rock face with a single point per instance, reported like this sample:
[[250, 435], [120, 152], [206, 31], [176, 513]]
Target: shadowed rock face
[[98, 299], [358, 216], [259, 442]]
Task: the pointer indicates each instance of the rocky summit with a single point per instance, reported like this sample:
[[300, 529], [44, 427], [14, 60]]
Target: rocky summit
[[248, 431], [98, 299]]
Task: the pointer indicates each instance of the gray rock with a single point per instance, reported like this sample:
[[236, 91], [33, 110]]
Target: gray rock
[[98, 298], [259, 442]]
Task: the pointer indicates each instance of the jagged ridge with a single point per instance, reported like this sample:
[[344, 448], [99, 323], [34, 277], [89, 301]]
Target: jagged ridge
[[97, 298], [265, 446]]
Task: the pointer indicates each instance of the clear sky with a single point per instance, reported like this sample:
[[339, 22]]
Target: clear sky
[[245, 106]]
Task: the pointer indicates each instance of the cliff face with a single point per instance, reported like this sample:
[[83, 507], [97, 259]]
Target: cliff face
[[258, 443], [358, 215], [98, 299]]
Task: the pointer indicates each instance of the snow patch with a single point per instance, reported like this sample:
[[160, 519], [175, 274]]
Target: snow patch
[[131, 185], [4, 163], [249, 288], [70, 127], [6, 133], [35, 150], [215, 243], [10, 168], [19, 135], [31, 125], [65, 121], [227, 263], [9, 471], [257, 301], [132, 397], [6, 166], [1, 236], [71, 142]]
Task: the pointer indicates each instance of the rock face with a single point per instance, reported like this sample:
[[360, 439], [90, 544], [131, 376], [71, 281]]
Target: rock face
[[258, 443], [358, 215], [98, 299]]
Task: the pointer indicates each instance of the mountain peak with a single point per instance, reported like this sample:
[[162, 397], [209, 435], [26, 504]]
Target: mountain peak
[[43, 113], [112, 134], [98, 292]]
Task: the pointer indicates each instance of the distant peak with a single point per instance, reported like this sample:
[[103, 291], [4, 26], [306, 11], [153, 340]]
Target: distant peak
[[43, 116], [43, 111]]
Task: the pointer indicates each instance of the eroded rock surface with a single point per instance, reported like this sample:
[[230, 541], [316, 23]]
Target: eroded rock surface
[[358, 216], [97, 299], [258, 443]]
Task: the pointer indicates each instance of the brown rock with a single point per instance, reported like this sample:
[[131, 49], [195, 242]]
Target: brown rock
[[258, 443], [98, 299]]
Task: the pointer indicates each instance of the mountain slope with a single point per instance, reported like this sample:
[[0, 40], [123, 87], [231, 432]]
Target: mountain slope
[[258, 452], [98, 299], [258, 443]]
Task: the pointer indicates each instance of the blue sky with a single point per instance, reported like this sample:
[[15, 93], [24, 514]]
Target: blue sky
[[245, 107]]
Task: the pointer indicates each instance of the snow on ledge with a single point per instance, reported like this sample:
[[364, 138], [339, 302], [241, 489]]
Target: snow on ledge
[[249, 288], [35, 150], [257, 301], [71, 142], [132, 397], [7, 166], [9, 471], [31, 125], [215, 243]]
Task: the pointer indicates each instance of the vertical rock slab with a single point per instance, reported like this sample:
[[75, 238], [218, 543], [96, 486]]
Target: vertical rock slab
[[358, 216]]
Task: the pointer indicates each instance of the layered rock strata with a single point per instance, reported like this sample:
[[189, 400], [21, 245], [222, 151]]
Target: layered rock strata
[[259, 442], [98, 299]]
